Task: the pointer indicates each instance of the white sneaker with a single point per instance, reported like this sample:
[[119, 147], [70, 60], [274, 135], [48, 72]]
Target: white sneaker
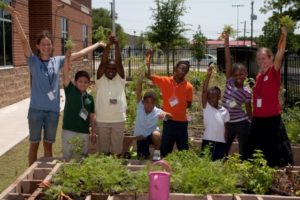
[[156, 155]]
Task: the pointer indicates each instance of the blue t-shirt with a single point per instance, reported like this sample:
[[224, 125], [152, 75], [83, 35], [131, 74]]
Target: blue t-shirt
[[45, 94], [145, 123]]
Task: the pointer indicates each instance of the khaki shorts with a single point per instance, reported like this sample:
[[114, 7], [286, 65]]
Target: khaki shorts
[[110, 137], [67, 147]]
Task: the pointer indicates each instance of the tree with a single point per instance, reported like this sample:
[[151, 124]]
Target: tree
[[282, 7], [198, 45], [102, 25], [167, 27], [271, 28]]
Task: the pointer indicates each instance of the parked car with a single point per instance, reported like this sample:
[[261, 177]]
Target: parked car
[[207, 58]]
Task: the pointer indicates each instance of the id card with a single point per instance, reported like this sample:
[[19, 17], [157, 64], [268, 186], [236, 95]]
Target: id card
[[232, 104], [173, 101], [51, 96], [113, 101], [83, 113], [259, 102]]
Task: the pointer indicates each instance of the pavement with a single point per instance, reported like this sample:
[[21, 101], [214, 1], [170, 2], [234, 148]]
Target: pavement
[[14, 124]]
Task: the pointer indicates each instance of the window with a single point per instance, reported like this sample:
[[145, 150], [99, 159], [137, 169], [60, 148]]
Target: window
[[5, 38], [64, 33], [85, 35]]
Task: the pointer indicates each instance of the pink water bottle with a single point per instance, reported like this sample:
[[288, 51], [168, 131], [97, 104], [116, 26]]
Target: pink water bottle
[[159, 182]]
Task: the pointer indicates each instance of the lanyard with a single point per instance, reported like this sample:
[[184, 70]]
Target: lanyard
[[82, 104], [50, 78]]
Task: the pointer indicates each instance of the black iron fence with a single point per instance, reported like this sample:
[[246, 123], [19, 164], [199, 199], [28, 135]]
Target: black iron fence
[[291, 78], [134, 58]]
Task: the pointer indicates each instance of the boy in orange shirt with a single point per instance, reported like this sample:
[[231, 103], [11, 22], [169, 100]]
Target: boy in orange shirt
[[177, 94]]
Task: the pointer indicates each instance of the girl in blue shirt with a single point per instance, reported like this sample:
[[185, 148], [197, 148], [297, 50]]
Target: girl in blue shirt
[[45, 93]]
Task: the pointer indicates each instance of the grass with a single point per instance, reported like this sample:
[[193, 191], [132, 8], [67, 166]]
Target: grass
[[14, 162]]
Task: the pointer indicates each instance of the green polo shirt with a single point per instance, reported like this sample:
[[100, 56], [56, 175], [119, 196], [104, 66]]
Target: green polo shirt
[[74, 102]]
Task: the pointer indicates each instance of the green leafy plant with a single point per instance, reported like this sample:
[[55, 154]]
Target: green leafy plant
[[229, 29], [287, 22], [77, 145], [291, 119], [69, 44], [3, 5], [253, 174], [105, 174]]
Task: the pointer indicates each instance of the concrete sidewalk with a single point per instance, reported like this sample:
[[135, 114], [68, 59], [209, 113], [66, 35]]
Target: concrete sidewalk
[[14, 124]]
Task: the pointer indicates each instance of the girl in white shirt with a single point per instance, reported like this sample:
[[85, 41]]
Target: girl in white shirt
[[215, 118]]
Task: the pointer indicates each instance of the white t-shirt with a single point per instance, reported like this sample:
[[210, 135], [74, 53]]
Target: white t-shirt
[[111, 103], [214, 123], [145, 123]]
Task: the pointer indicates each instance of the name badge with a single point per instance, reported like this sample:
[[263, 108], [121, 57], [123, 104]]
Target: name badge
[[259, 102], [51, 96], [266, 78], [113, 101], [173, 101], [83, 113], [232, 104]]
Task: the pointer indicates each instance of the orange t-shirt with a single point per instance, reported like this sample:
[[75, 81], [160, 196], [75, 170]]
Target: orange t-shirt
[[175, 96]]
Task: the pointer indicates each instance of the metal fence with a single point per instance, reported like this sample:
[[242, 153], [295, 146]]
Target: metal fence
[[134, 58], [291, 79]]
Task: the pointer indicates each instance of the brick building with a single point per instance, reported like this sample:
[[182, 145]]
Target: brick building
[[62, 18]]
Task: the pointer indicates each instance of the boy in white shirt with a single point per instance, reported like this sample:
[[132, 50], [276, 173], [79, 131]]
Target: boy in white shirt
[[146, 129], [215, 118]]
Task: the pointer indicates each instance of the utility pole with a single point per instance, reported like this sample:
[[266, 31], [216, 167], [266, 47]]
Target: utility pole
[[113, 17], [245, 22], [252, 17], [237, 21]]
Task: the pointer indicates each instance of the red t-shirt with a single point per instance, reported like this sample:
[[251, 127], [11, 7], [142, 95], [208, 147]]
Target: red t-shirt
[[267, 88], [176, 94]]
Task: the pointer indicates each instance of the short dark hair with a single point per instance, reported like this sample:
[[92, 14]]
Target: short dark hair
[[82, 74], [238, 66], [183, 62], [150, 95], [214, 89]]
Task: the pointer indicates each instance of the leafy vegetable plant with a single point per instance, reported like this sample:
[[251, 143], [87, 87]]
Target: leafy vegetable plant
[[69, 44], [229, 29], [287, 22], [3, 5]]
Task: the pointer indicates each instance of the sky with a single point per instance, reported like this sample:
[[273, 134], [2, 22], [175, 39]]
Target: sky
[[135, 16]]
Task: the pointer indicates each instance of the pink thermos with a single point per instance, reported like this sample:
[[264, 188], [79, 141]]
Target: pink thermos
[[159, 182]]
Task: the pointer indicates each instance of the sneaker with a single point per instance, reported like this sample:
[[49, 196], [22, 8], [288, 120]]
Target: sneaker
[[156, 155]]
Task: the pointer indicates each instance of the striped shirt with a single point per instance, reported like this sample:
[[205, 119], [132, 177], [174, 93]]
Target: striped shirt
[[233, 100]]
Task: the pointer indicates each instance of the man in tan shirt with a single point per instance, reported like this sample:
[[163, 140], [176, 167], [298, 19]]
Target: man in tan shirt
[[111, 101]]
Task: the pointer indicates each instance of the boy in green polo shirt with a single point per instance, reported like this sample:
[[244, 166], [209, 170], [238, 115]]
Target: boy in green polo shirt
[[79, 112]]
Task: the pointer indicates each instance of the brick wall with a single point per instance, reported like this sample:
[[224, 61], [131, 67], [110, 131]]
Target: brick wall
[[15, 81]]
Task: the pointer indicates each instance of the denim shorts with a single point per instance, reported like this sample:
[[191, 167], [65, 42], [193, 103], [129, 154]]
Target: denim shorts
[[40, 119]]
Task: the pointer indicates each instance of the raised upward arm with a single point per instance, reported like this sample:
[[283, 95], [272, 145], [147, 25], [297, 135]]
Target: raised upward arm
[[21, 33], [205, 86], [118, 57], [66, 69], [227, 55], [86, 50], [280, 49], [148, 63]]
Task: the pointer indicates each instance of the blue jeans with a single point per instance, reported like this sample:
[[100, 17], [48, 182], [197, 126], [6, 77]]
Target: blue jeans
[[241, 131], [38, 120], [174, 131]]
